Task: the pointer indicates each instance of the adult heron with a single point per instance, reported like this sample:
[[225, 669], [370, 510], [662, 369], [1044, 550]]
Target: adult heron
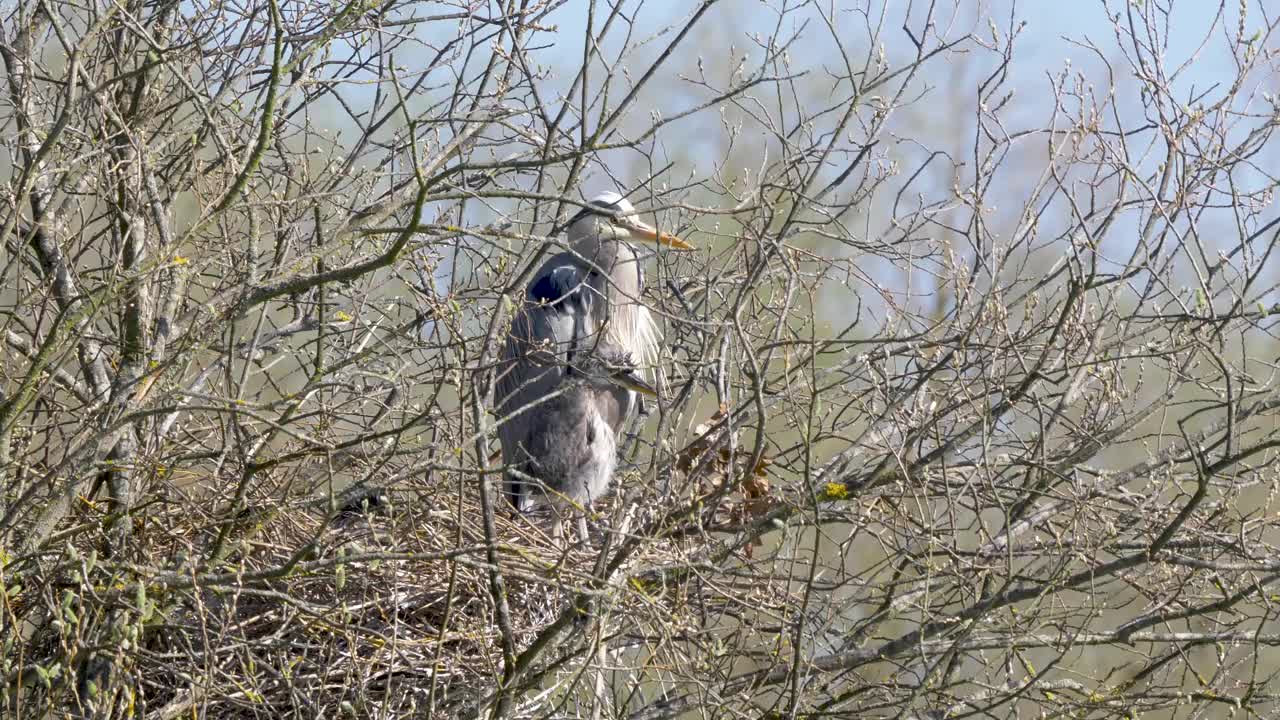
[[585, 297], [569, 448]]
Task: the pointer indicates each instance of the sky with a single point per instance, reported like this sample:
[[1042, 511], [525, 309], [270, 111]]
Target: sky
[[1047, 43], [1052, 38]]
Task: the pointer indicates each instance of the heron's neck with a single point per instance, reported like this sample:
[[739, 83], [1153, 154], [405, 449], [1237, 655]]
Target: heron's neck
[[625, 328], [630, 325]]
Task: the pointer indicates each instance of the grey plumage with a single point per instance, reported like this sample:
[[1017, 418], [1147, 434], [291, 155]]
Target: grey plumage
[[582, 302], [567, 455]]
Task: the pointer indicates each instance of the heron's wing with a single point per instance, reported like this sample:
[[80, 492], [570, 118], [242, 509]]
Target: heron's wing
[[554, 318]]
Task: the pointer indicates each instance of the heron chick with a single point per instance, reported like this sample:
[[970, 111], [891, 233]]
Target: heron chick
[[570, 444]]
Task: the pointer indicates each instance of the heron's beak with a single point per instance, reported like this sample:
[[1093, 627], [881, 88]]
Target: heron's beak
[[647, 233], [631, 380]]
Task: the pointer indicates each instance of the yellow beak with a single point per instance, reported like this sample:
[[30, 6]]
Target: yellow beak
[[630, 380], [647, 233]]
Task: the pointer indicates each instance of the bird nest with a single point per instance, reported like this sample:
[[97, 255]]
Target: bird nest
[[386, 606], [387, 603]]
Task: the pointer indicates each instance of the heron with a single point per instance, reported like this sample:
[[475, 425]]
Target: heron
[[585, 297], [569, 449]]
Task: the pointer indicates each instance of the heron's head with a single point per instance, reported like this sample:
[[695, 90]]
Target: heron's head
[[609, 367], [609, 216]]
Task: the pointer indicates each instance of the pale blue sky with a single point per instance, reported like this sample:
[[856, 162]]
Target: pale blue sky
[[1049, 39], [1044, 47]]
